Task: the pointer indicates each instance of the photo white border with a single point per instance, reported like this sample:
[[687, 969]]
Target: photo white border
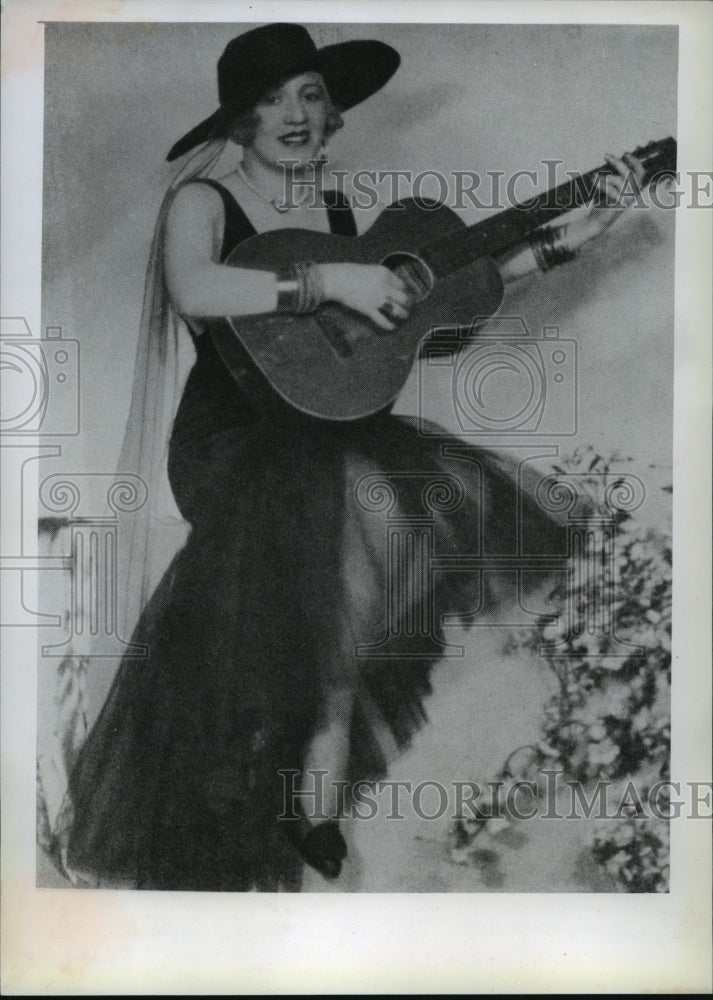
[[69, 942]]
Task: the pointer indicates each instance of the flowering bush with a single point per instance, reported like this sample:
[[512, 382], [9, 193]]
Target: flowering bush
[[634, 849], [636, 857], [610, 715], [609, 718]]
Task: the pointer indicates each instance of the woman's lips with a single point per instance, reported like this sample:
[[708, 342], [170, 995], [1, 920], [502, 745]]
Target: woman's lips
[[295, 138]]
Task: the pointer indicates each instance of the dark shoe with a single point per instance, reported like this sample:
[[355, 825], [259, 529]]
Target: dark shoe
[[324, 848]]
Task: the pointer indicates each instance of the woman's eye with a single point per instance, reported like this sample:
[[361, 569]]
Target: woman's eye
[[271, 99], [314, 95]]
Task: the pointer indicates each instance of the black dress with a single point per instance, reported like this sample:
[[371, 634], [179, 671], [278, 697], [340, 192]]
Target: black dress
[[307, 560]]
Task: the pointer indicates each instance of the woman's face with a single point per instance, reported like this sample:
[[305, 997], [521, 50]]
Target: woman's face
[[291, 121]]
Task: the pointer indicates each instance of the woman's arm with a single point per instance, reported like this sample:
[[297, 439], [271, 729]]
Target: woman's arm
[[517, 263], [588, 225], [197, 283], [200, 286]]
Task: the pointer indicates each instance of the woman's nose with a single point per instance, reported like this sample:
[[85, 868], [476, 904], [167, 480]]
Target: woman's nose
[[294, 111]]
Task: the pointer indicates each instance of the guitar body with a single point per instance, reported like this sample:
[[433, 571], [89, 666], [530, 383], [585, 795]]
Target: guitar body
[[335, 363]]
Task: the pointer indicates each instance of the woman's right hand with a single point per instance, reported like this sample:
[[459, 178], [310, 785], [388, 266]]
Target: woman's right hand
[[371, 289]]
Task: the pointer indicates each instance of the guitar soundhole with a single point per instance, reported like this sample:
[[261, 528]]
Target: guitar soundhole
[[416, 274]]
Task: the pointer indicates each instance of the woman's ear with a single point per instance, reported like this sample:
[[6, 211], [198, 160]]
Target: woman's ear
[[236, 134], [241, 131]]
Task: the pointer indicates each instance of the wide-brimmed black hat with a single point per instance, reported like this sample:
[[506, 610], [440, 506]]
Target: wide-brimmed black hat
[[266, 57]]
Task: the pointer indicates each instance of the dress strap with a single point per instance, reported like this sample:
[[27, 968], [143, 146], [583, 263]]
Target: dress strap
[[339, 211], [237, 227]]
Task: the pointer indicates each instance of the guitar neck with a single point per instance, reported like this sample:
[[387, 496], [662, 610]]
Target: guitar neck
[[505, 230]]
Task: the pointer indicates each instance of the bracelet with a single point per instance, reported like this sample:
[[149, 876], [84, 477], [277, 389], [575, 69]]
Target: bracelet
[[300, 288], [288, 290], [550, 248]]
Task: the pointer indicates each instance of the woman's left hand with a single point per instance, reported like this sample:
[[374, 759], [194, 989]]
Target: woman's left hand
[[615, 193]]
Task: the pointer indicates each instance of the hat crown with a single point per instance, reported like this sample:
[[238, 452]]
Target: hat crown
[[259, 59]]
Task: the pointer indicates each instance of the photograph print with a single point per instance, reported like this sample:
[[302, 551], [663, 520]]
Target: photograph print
[[356, 527]]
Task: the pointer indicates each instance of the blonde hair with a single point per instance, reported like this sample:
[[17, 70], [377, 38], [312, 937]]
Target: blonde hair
[[243, 126]]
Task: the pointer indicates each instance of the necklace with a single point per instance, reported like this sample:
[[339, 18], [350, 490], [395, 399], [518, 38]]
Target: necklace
[[277, 204]]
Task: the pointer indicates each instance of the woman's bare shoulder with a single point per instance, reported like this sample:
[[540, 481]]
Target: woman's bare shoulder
[[196, 195], [195, 214]]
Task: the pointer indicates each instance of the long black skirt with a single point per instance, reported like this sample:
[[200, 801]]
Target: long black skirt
[[319, 554]]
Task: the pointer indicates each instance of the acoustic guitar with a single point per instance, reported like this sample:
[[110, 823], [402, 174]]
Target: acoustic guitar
[[338, 365]]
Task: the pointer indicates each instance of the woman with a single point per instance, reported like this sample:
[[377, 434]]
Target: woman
[[253, 685]]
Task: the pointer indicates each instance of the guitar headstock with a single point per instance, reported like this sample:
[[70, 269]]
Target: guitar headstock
[[657, 158]]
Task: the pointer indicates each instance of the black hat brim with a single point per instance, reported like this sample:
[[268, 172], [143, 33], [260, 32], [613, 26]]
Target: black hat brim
[[207, 129], [352, 72], [355, 70]]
